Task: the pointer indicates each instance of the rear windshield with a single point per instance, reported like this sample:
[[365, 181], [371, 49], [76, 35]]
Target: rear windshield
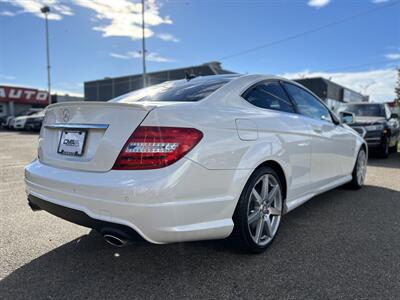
[[365, 110], [178, 90]]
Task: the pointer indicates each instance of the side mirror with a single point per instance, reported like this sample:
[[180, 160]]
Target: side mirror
[[346, 117], [394, 116]]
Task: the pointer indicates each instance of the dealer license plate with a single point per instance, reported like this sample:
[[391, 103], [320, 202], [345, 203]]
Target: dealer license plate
[[72, 142]]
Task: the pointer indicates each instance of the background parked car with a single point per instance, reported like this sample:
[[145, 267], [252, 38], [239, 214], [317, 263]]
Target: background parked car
[[34, 121], [19, 122], [3, 121], [381, 125], [10, 121], [6, 121]]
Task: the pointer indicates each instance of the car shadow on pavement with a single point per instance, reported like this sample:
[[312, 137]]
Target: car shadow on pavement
[[393, 161], [338, 244]]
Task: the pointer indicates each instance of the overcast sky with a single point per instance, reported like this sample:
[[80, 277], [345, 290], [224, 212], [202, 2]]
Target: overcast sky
[[353, 42]]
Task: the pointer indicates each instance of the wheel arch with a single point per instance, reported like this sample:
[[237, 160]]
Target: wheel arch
[[280, 172], [277, 167], [362, 146]]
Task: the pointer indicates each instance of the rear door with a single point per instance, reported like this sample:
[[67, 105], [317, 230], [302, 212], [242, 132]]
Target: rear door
[[329, 144]]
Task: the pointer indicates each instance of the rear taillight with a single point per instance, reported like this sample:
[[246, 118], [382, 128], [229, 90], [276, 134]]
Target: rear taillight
[[156, 147]]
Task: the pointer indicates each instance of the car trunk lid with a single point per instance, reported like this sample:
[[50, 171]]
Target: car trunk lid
[[99, 129]]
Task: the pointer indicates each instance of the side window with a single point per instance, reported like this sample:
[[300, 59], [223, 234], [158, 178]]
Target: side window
[[269, 95], [307, 104]]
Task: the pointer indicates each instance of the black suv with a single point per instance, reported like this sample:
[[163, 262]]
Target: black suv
[[381, 127]]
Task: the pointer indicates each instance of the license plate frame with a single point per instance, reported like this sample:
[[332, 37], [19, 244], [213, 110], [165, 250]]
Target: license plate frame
[[72, 142]]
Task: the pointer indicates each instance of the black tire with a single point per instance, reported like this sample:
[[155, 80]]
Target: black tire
[[355, 182], [241, 232], [384, 151], [394, 148]]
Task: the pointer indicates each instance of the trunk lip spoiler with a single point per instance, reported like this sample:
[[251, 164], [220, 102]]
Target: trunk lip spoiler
[[140, 106], [76, 126]]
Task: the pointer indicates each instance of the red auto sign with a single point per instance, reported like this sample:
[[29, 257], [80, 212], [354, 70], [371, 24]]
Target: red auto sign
[[23, 95]]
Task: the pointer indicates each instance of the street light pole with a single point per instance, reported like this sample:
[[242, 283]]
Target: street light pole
[[144, 76], [45, 10]]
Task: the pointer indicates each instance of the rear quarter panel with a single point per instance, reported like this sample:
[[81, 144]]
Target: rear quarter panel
[[281, 137]]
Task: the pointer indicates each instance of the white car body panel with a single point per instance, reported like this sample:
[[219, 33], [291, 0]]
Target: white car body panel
[[194, 198], [19, 122], [159, 204]]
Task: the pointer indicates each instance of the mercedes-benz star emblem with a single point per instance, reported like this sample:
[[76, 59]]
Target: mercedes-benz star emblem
[[66, 115]]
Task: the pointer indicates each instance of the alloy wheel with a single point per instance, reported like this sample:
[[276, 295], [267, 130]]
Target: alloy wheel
[[264, 209]]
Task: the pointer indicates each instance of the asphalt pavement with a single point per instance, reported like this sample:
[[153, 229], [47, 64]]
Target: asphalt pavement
[[341, 244]]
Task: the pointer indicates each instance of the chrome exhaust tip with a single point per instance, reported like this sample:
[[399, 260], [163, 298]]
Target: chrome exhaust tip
[[115, 240]]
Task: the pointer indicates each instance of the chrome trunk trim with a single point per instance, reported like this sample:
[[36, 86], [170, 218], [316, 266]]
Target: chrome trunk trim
[[76, 126]]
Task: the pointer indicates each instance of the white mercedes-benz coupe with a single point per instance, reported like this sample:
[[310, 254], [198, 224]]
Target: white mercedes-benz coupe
[[187, 160]]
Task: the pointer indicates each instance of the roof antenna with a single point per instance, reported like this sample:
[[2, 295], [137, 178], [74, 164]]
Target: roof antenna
[[189, 77]]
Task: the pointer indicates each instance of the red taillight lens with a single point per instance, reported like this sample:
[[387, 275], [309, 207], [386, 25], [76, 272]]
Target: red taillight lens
[[156, 147]]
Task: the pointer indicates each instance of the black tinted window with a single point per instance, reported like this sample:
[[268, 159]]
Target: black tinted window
[[269, 95], [307, 104], [179, 90]]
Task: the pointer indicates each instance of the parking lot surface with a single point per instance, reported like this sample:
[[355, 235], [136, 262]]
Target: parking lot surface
[[342, 244]]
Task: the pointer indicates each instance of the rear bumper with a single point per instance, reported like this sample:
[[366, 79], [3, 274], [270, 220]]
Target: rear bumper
[[80, 218], [183, 202]]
